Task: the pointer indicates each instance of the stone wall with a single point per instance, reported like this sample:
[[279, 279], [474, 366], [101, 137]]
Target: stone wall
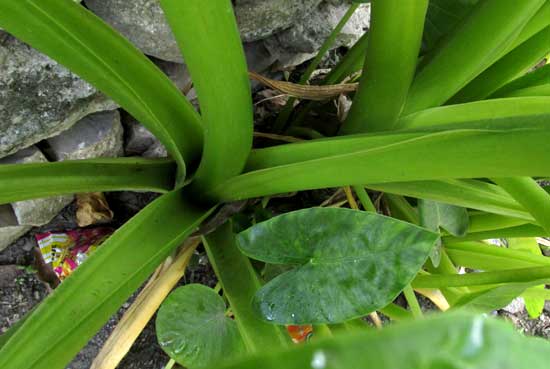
[[49, 114]]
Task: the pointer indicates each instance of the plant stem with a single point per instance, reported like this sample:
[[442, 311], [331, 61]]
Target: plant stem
[[413, 302], [170, 364], [364, 198], [282, 119]]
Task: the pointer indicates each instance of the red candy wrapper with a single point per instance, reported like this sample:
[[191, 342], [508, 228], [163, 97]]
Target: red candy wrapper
[[65, 251]]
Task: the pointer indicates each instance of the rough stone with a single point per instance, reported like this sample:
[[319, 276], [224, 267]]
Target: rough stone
[[10, 230], [18, 218], [141, 142], [40, 211], [259, 19], [143, 22], [301, 42], [38, 97], [97, 135], [515, 307]]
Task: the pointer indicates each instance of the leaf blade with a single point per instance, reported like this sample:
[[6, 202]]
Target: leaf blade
[[369, 258]]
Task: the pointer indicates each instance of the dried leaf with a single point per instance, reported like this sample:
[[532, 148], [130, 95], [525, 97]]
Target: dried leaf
[[306, 92], [92, 208]]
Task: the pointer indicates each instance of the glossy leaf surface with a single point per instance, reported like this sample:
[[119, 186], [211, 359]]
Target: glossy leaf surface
[[348, 263], [193, 330], [450, 341]]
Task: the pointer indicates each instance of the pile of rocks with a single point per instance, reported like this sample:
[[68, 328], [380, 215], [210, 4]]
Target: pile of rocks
[[49, 114]]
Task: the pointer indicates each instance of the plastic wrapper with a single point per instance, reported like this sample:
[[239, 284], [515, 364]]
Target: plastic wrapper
[[300, 333], [65, 251]]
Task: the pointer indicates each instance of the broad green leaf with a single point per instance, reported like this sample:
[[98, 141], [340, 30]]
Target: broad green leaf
[[348, 263], [82, 42], [467, 153], [472, 47], [208, 37], [193, 330], [435, 215], [537, 79], [531, 195], [26, 181], [468, 193], [240, 282], [477, 255], [80, 306], [513, 65], [493, 298], [383, 89], [442, 17], [445, 341], [534, 304]]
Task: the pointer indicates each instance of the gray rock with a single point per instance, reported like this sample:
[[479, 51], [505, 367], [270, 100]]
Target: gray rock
[[143, 22], [516, 306], [38, 97], [97, 135], [259, 19], [40, 211], [10, 231], [141, 142], [19, 217], [301, 42]]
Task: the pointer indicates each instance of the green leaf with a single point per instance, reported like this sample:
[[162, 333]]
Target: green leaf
[[533, 303], [538, 274], [513, 65], [349, 263], [531, 195], [493, 298], [446, 341], [468, 193], [82, 42], [193, 330], [442, 17], [62, 324], [472, 47], [28, 181], [435, 215], [240, 282], [467, 153], [478, 255], [504, 113], [383, 90], [208, 37], [519, 87]]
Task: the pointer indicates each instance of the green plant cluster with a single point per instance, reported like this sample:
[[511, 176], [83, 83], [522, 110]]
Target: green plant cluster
[[449, 122]]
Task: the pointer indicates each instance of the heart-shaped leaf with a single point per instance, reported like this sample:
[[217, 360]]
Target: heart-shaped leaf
[[435, 215], [193, 330], [348, 263]]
